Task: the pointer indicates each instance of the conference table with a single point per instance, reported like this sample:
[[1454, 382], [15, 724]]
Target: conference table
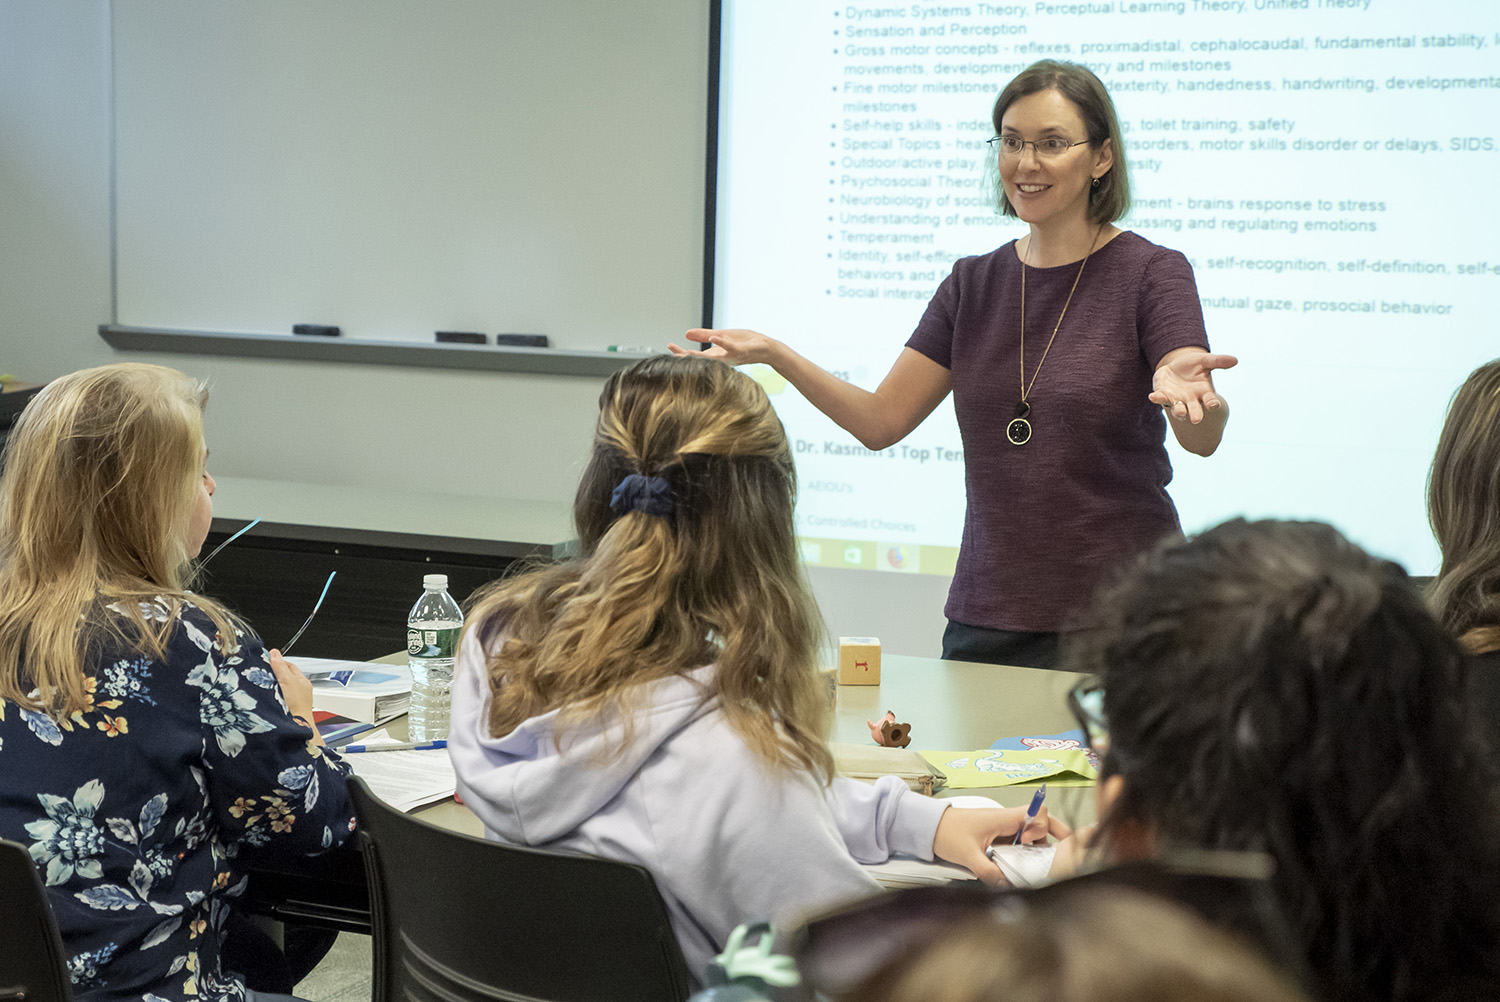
[[951, 706]]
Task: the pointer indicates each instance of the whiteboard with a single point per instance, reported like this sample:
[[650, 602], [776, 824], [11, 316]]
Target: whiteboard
[[399, 168]]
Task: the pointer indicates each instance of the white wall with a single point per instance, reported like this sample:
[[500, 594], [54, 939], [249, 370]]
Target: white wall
[[502, 435], [505, 435], [54, 185]]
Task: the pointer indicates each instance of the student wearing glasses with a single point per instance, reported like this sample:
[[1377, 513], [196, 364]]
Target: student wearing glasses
[[1067, 352], [1269, 687], [147, 738]]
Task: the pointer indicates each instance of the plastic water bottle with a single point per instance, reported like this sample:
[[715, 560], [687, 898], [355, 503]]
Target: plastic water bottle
[[432, 630]]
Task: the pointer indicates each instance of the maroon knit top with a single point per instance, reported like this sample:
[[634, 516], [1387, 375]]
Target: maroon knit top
[[1049, 521]]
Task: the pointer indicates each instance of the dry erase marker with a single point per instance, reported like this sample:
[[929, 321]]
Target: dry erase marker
[[402, 746], [1032, 811]]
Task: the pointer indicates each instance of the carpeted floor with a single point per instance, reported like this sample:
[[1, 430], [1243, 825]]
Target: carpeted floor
[[344, 975]]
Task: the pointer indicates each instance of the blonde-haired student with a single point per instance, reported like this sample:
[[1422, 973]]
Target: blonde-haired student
[[146, 736], [656, 699]]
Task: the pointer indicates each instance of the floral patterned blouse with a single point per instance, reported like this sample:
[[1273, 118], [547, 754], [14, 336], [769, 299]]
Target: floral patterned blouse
[[134, 808]]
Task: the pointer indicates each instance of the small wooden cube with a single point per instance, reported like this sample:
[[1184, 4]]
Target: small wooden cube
[[859, 661]]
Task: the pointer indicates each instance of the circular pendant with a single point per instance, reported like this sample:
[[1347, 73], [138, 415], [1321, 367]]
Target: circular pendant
[[1018, 431]]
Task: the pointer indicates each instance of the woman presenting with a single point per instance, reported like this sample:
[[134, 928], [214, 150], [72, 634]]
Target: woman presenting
[[1063, 350]]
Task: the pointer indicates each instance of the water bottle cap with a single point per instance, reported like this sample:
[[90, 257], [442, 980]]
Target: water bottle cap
[[432, 582]]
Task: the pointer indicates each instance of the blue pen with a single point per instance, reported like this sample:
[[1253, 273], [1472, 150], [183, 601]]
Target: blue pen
[[402, 746], [1032, 811]]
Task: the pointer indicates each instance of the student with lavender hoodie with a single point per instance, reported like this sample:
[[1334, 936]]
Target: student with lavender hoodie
[[1063, 350], [656, 699]]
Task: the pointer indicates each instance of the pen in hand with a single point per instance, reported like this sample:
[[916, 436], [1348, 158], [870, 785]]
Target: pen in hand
[[1031, 812]]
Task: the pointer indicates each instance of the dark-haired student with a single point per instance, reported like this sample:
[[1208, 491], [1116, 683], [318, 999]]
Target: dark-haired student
[[1068, 353], [146, 736], [1270, 687]]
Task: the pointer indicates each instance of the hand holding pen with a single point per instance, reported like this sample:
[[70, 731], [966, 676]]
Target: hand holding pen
[[965, 834], [1031, 812]]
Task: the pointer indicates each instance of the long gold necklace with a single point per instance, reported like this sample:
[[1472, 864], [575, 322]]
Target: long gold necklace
[[1019, 430]]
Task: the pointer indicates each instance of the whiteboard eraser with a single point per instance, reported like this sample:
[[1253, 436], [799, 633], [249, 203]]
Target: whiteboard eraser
[[522, 340]]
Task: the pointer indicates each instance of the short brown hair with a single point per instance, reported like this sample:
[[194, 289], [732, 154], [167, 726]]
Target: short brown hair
[[1076, 82], [1092, 945]]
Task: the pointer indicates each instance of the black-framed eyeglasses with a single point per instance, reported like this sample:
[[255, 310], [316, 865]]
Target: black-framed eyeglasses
[[1086, 702], [843, 949], [1014, 146]]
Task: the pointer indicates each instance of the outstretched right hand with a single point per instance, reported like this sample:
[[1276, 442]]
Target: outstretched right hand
[[732, 345], [964, 834]]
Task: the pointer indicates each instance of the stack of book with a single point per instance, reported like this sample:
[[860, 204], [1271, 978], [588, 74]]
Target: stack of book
[[354, 696]]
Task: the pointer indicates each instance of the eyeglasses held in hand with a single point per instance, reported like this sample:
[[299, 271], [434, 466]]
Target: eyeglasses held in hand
[[306, 623], [246, 528], [1052, 146]]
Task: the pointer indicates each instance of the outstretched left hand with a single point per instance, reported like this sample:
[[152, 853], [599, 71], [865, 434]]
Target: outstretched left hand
[[1183, 383]]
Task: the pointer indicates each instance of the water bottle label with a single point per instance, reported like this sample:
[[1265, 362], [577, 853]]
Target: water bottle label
[[432, 643]]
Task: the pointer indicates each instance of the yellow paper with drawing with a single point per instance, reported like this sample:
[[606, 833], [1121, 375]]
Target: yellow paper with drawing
[[968, 770]]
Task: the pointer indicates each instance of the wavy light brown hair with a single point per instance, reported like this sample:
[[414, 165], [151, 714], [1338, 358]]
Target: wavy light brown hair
[[650, 597], [1463, 506], [102, 472]]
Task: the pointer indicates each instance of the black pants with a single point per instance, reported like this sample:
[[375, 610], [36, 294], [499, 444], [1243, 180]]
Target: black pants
[[268, 968], [962, 642]]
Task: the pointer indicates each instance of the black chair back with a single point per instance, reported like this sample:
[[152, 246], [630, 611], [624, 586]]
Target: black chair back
[[463, 919], [33, 966]]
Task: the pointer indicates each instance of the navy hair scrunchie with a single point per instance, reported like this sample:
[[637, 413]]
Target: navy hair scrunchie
[[649, 495]]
